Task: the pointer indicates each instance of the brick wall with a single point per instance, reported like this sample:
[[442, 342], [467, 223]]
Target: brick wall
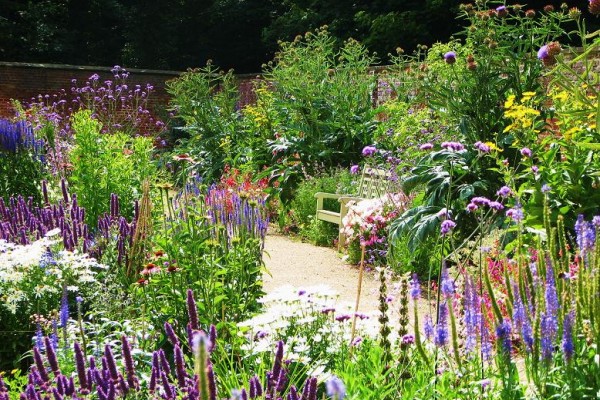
[[22, 81]]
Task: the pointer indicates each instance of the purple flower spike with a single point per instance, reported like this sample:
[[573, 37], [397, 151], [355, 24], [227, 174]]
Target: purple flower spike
[[129, 364], [81, 373], [51, 355], [335, 388], [171, 335], [192, 310], [212, 337], [415, 288], [110, 363], [567, 338], [39, 363]]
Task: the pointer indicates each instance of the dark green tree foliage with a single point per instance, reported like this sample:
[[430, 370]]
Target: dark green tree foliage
[[239, 34]]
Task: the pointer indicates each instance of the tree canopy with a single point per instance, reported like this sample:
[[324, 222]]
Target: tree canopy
[[238, 34]]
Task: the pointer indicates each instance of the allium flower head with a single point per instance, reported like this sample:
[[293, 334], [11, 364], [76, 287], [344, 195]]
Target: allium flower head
[[450, 57]]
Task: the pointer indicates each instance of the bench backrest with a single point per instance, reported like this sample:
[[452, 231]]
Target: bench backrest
[[373, 183]]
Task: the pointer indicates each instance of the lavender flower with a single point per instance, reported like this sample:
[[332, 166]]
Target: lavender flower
[[503, 335], [447, 286], [428, 327], [567, 337], [472, 315], [440, 337], [171, 334], [129, 365], [64, 309], [81, 373], [335, 388]]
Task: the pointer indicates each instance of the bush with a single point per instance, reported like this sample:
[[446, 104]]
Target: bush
[[107, 164]]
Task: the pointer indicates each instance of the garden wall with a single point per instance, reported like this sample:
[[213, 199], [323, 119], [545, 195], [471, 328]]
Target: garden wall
[[22, 81]]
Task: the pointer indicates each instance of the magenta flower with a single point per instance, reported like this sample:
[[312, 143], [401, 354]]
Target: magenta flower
[[472, 207], [354, 169]]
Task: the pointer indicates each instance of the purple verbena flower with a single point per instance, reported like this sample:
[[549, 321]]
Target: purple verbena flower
[[354, 169], [526, 152], [504, 191], [426, 146], [447, 227], [369, 151], [482, 147]]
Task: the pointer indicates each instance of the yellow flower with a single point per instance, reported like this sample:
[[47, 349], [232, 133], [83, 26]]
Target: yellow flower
[[510, 100]]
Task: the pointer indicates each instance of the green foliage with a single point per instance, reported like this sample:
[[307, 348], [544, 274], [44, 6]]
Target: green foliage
[[206, 100], [105, 164], [322, 101]]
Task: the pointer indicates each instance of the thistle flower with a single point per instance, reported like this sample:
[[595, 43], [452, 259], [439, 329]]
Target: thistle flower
[[502, 11], [594, 7], [450, 57]]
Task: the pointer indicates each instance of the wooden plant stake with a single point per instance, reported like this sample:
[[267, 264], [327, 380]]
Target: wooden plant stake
[[360, 279]]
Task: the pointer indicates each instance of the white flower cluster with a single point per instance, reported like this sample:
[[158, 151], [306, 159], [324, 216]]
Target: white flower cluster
[[310, 322], [29, 271]]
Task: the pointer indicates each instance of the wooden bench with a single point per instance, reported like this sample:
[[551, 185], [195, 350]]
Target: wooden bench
[[373, 183]]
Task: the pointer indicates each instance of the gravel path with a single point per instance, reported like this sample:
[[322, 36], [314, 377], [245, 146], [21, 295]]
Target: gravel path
[[293, 263]]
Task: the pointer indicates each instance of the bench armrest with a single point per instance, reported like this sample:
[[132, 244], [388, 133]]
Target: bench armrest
[[346, 199], [323, 195]]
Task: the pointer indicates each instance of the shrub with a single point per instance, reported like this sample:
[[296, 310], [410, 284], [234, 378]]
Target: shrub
[[104, 165]]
